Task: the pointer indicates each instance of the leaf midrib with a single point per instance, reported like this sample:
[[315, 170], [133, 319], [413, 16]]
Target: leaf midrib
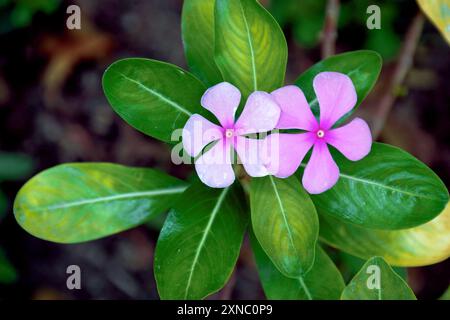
[[150, 193], [250, 44], [203, 239], [283, 212], [157, 94], [305, 288]]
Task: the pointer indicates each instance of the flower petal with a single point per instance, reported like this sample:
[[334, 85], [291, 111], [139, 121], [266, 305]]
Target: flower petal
[[198, 132], [336, 95], [260, 114], [321, 172], [353, 140], [248, 151], [222, 100], [284, 152], [214, 166], [295, 110]]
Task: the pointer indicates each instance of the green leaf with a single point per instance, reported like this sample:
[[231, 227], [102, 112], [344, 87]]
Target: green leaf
[[362, 66], [420, 246], [377, 281], [445, 295], [285, 223], [388, 189], [200, 242], [322, 282], [250, 48], [152, 96], [197, 25], [84, 201], [8, 273], [14, 166]]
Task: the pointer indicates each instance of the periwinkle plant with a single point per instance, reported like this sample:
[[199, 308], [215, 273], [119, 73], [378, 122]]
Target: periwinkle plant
[[383, 205]]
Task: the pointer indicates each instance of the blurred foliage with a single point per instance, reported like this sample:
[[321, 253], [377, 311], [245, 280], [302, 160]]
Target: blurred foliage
[[13, 166], [306, 18], [15, 14], [8, 273], [3, 204], [446, 295]]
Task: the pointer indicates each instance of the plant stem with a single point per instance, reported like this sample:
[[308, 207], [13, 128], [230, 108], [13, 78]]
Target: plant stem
[[329, 33], [404, 63]]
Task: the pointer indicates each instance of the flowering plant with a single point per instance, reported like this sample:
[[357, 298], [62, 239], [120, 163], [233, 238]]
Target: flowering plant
[[373, 200]]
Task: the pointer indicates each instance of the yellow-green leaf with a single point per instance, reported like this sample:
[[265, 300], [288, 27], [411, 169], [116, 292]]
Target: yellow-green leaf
[[423, 245], [84, 201], [438, 11], [285, 223], [250, 48]]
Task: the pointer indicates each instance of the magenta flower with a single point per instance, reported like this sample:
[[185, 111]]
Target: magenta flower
[[214, 167], [336, 96]]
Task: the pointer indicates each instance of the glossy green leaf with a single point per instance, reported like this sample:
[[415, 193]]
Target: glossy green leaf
[[285, 223], [84, 201], [152, 96], [362, 66], [197, 25], [322, 282], [423, 245], [14, 166], [250, 48], [200, 242], [377, 281], [388, 189]]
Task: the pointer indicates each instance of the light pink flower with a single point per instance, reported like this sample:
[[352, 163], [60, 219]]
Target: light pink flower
[[261, 114], [336, 96]]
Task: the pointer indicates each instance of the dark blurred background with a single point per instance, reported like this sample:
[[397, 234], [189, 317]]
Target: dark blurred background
[[52, 110]]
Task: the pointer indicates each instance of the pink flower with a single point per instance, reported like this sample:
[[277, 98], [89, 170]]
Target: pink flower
[[261, 114], [336, 96]]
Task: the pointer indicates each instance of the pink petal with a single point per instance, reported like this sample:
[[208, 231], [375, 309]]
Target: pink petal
[[248, 151], [295, 110], [222, 100], [214, 166], [336, 96], [260, 114], [284, 152], [321, 172], [353, 140], [198, 132]]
